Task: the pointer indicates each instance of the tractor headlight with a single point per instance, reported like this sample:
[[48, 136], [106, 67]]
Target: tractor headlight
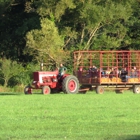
[[34, 82], [55, 80]]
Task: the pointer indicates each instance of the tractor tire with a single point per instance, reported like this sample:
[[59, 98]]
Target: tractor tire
[[136, 89], [70, 84], [28, 90], [46, 90], [99, 90]]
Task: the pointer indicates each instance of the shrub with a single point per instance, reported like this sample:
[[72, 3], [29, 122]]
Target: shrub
[[9, 69]]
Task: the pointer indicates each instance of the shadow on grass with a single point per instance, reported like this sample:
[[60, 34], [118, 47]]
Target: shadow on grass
[[38, 93], [125, 137], [6, 93]]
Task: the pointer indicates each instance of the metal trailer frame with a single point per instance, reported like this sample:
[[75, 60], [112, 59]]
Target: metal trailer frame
[[107, 61]]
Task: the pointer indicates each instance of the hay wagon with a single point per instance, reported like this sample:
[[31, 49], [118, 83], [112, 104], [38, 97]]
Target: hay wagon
[[119, 70]]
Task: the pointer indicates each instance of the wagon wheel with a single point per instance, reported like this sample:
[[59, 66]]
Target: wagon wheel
[[28, 90], [99, 89], [136, 89], [70, 84], [46, 90]]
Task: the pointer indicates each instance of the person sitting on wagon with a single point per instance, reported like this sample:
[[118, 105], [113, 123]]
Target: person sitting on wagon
[[94, 68], [89, 72], [133, 73], [138, 73], [79, 72], [112, 73], [107, 72], [93, 71], [102, 72], [124, 75]]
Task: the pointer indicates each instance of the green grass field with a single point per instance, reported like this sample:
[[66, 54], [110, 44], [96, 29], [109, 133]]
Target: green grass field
[[88, 116]]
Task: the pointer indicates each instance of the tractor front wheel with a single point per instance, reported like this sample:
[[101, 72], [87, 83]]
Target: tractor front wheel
[[70, 84], [46, 90], [28, 90]]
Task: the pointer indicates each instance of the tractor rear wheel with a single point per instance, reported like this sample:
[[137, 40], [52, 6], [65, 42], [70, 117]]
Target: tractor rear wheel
[[28, 90], [70, 84], [136, 89], [99, 89], [46, 90]]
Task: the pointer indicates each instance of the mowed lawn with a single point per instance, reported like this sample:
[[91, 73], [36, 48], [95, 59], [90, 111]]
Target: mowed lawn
[[88, 116]]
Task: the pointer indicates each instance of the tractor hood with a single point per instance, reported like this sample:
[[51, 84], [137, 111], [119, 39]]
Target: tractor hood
[[39, 74]]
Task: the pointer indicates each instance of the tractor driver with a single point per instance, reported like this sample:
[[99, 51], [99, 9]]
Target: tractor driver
[[62, 70]]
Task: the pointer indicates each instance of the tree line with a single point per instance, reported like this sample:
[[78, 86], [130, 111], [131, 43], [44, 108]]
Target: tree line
[[33, 31]]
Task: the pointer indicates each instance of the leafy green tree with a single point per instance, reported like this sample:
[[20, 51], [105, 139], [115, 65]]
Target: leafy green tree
[[103, 24], [98, 25], [46, 43], [25, 77], [17, 19], [132, 39], [66, 25], [9, 69]]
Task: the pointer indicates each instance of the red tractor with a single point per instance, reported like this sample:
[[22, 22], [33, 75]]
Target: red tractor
[[49, 82]]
